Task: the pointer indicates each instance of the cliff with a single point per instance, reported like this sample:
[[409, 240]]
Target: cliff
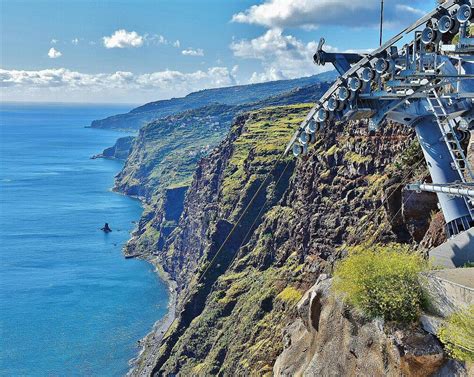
[[119, 151], [164, 156], [243, 258]]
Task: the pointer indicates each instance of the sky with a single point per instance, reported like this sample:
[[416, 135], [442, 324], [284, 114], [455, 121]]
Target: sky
[[136, 51]]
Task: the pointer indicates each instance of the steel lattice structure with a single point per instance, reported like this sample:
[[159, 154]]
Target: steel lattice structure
[[427, 83]]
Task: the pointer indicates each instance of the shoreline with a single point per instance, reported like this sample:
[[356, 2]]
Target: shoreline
[[143, 363]]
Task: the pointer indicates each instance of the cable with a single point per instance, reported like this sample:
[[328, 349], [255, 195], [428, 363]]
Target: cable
[[187, 297], [258, 215], [240, 217], [281, 156]]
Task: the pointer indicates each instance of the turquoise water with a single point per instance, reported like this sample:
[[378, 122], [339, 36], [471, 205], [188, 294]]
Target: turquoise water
[[70, 304]]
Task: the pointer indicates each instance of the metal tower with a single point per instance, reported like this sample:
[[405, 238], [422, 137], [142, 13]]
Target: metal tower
[[422, 78]]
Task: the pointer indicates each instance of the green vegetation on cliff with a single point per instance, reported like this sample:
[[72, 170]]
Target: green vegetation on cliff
[[235, 298], [382, 281], [261, 142], [231, 322], [246, 302], [457, 334], [166, 151]]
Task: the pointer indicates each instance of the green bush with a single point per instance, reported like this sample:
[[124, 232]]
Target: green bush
[[457, 334], [382, 281]]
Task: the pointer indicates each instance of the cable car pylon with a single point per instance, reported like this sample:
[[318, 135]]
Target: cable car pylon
[[422, 78]]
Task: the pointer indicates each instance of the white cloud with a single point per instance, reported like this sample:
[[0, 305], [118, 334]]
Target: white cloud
[[177, 43], [48, 83], [156, 39], [193, 52], [162, 40], [54, 41], [313, 13], [75, 41], [408, 9], [270, 74], [123, 38], [282, 56], [53, 53]]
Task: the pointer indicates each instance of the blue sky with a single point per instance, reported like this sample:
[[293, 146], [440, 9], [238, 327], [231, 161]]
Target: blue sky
[[141, 50]]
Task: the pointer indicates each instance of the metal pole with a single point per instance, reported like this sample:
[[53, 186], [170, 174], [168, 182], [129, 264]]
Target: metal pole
[[453, 190], [381, 21]]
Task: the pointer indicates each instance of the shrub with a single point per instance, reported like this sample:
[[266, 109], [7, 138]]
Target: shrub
[[457, 334], [382, 281], [290, 295]]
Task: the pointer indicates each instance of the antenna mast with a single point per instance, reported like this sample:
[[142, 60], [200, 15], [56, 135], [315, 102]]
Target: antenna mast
[[381, 21]]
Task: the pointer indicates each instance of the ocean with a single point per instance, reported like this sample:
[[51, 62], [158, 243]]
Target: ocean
[[70, 304]]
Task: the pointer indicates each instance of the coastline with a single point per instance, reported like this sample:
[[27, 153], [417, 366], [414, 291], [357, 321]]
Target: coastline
[[144, 362]]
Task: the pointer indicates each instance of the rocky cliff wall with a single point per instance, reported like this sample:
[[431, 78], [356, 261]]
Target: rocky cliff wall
[[120, 150], [240, 273]]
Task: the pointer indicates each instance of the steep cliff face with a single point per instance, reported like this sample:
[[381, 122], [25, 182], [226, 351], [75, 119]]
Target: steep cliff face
[[164, 155], [242, 258], [119, 151]]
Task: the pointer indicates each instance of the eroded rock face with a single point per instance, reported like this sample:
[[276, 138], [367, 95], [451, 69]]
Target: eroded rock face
[[414, 209], [435, 234], [331, 339], [230, 323]]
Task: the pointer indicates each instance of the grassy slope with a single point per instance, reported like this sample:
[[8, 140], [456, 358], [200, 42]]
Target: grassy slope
[[166, 151]]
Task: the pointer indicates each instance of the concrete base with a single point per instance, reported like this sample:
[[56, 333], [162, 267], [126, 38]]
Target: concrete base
[[450, 290], [456, 252]]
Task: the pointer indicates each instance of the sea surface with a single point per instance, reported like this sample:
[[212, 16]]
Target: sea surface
[[70, 304]]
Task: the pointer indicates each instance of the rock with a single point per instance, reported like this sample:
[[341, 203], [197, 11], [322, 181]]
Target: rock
[[296, 340], [416, 206], [435, 235], [421, 354], [430, 323], [106, 228], [331, 339]]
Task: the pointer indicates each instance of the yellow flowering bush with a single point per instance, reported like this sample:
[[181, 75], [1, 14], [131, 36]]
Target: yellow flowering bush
[[457, 334], [382, 281]]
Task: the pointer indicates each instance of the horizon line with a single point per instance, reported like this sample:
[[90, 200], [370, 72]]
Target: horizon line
[[71, 103]]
